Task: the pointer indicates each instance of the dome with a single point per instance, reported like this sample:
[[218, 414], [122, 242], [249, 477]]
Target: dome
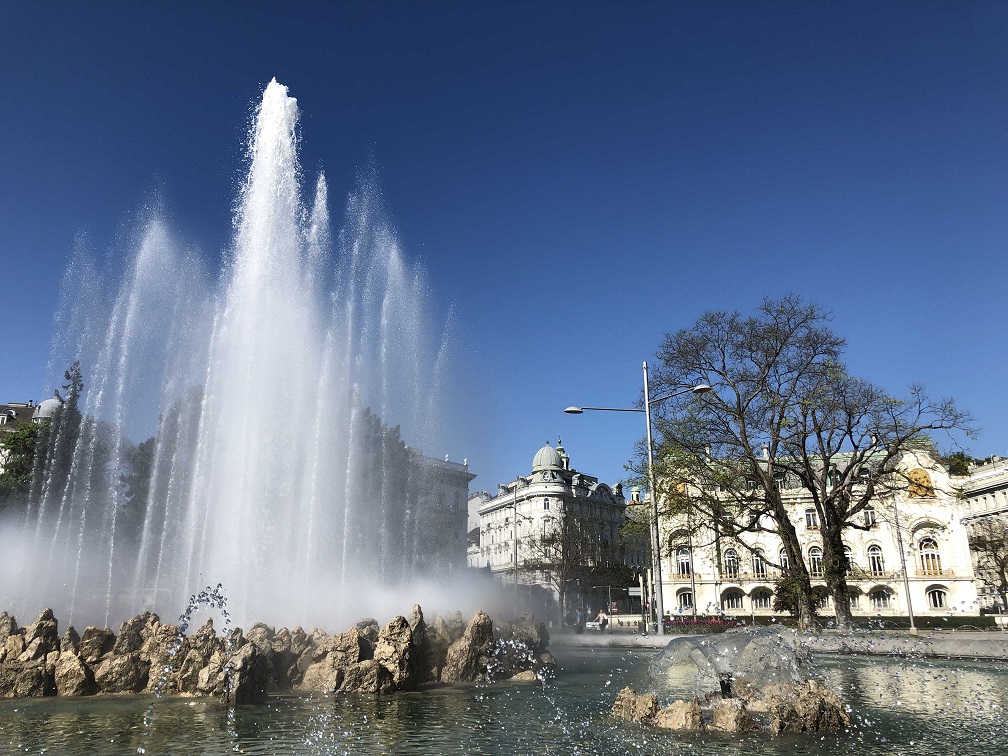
[[45, 410], [547, 458]]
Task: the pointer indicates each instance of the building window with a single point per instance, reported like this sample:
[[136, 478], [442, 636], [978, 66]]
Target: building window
[[3, 419], [879, 598], [876, 564], [759, 564], [761, 599], [731, 600], [815, 562], [937, 598], [848, 559], [930, 558], [685, 600], [546, 503], [869, 516], [821, 600], [683, 560], [731, 563], [854, 599], [811, 519], [785, 565], [863, 475]]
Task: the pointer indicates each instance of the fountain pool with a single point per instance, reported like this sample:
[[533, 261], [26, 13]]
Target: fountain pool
[[898, 707]]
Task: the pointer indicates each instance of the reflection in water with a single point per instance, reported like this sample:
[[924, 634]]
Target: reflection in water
[[899, 706]]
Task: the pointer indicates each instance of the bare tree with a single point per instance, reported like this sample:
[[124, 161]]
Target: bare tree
[[988, 539], [784, 413]]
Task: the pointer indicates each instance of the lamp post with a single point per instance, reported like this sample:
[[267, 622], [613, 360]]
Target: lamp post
[[701, 388]]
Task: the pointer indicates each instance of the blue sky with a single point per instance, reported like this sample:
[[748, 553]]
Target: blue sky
[[577, 178]]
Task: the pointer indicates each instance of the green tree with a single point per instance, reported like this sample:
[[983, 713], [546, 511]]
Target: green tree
[[784, 413], [17, 450]]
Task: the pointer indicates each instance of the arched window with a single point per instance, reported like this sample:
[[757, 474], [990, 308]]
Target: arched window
[[854, 599], [761, 599], [685, 598], [731, 563], [731, 600], [937, 598], [784, 564], [815, 562], [759, 564], [848, 559], [929, 556], [683, 560], [876, 564], [880, 598]]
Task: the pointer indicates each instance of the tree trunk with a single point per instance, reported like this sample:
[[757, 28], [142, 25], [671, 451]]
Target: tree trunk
[[836, 576], [562, 605]]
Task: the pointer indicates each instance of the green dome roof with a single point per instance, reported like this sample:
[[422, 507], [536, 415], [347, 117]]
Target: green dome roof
[[547, 458]]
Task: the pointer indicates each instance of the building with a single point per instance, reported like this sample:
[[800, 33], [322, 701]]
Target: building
[[530, 508], [442, 527], [916, 532], [984, 496], [14, 414]]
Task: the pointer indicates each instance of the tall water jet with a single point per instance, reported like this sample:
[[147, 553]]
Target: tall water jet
[[277, 399]]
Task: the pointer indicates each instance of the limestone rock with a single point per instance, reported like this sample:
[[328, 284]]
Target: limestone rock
[[530, 632], [24, 680], [633, 707], [299, 641], [35, 650], [73, 677], [165, 650], [15, 646], [731, 715], [44, 629], [95, 643], [369, 628], [70, 641], [186, 679], [133, 632], [206, 642], [123, 674], [367, 677], [680, 715], [806, 708], [249, 675], [466, 659], [261, 636], [8, 626], [527, 675], [394, 651], [322, 676]]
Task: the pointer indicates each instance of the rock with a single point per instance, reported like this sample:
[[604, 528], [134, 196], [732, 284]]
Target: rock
[[261, 636], [95, 643], [70, 641], [210, 681], [635, 708], [367, 676], [369, 628], [299, 642], [133, 632], [26, 680], [123, 674], [322, 676], [8, 626], [165, 650], [206, 642], [73, 677], [394, 651], [680, 715], [347, 648], [249, 676], [37, 649], [419, 630], [466, 659], [731, 715], [530, 632], [281, 642], [44, 629], [186, 679], [806, 708], [548, 662], [527, 675], [15, 646]]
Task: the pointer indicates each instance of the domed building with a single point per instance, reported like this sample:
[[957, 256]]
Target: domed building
[[521, 528]]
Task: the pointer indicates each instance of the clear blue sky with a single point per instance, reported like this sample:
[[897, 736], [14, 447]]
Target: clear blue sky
[[578, 178]]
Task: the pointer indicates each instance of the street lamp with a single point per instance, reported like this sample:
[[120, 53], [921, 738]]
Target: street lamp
[[701, 388]]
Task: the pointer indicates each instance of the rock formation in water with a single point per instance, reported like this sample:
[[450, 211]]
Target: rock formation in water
[[148, 656]]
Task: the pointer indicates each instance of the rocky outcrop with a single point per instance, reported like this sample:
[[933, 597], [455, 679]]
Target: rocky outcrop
[[807, 707], [466, 659], [73, 677], [149, 656]]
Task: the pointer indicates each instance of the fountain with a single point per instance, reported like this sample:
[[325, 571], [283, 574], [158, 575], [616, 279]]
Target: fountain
[[277, 400]]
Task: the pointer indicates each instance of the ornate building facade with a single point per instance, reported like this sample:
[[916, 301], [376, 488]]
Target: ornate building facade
[[984, 494], [914, 537]]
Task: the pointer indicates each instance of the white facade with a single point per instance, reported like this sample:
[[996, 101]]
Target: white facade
[[927, 515], [527, 508], [984, 494]]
